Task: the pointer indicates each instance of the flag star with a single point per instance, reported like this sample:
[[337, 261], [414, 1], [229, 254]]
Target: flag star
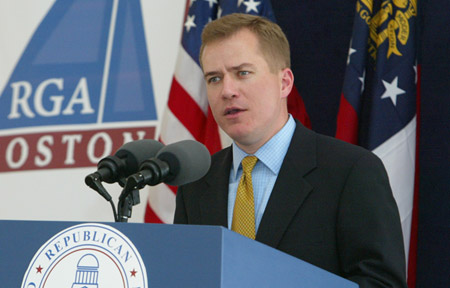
[[239, 3], [362, 78], [350, 52], [219, 12], [392, 90], [190, 23], [251, 6], [415, 73], [211, 3]]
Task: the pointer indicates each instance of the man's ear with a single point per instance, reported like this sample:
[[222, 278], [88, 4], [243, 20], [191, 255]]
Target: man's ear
[[287, 82]]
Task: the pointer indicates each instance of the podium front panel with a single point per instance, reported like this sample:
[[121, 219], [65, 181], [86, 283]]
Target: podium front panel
[[172, 256]]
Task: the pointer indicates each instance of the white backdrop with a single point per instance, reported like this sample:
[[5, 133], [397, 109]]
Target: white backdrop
[[60, 194]]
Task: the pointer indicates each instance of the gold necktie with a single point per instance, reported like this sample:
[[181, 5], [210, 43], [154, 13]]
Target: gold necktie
[[244, 207]]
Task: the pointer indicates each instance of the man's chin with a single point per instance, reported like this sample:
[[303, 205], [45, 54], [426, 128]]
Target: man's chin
[[238, 135], [243, 139]]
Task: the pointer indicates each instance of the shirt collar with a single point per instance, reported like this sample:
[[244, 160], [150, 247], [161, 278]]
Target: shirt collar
[[272, 153]]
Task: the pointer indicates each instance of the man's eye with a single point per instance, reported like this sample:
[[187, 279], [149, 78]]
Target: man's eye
[[243, 73], [213, 79]]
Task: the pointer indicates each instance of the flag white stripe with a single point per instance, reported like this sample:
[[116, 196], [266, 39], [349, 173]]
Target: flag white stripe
[[162, 201], [172, 130], [225, 140], [398, 156]]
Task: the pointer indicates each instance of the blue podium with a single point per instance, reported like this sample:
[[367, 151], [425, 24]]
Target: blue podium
[[68, 254]]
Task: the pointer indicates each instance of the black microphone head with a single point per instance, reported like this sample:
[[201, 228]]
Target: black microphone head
[[188, 160], [126, 161], [136, 152]]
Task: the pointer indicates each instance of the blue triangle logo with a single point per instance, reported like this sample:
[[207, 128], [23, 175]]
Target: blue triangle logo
[[86, 63]]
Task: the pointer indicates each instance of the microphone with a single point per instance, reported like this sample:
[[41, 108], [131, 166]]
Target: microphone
[[124, 162], [175, 164]]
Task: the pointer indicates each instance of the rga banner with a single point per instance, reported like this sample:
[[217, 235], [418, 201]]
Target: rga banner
[[78, 79]]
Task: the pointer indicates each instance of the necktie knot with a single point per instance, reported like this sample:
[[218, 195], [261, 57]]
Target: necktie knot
[[248, 163]]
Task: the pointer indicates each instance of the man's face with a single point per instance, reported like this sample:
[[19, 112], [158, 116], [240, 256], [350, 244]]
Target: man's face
[[247, 100]]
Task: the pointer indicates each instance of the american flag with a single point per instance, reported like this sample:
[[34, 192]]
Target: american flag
[[187, 115], [378, 102]]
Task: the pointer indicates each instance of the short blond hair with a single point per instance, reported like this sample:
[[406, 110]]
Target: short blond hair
[[272, 41]]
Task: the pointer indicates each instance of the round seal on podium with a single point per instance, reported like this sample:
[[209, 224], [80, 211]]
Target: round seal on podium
[[88, 255]]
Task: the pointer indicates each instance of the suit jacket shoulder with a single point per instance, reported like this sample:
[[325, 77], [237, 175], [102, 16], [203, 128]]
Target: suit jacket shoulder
[[205, 201]]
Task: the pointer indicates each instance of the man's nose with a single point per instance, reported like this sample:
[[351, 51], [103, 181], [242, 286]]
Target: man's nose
[[229, 88]]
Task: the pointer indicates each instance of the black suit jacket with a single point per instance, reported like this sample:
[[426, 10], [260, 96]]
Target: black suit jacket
[[331, 206]]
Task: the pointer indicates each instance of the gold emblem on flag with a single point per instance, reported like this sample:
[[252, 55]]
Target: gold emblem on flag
[[395, 30]]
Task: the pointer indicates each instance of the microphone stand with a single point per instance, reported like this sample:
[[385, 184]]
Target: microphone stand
[[127, 199], [152, 173], [93, 181]]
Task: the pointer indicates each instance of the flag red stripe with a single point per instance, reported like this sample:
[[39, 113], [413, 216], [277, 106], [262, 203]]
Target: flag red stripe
[[296, 107], [186, 110], [172, 188], [211, 137], [150, 216], [347, 122]]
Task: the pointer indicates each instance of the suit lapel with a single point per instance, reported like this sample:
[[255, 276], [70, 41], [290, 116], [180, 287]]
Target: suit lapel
[[214, 199], [290, 189]]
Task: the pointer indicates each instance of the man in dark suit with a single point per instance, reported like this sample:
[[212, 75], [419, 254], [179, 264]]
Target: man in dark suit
[[314, 197]]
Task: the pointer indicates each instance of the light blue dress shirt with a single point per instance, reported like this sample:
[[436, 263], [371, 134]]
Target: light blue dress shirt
[[270, 157]]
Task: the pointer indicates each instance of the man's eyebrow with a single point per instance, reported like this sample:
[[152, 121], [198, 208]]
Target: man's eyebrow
[[234, 68], [207, 74], [242, 66]]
